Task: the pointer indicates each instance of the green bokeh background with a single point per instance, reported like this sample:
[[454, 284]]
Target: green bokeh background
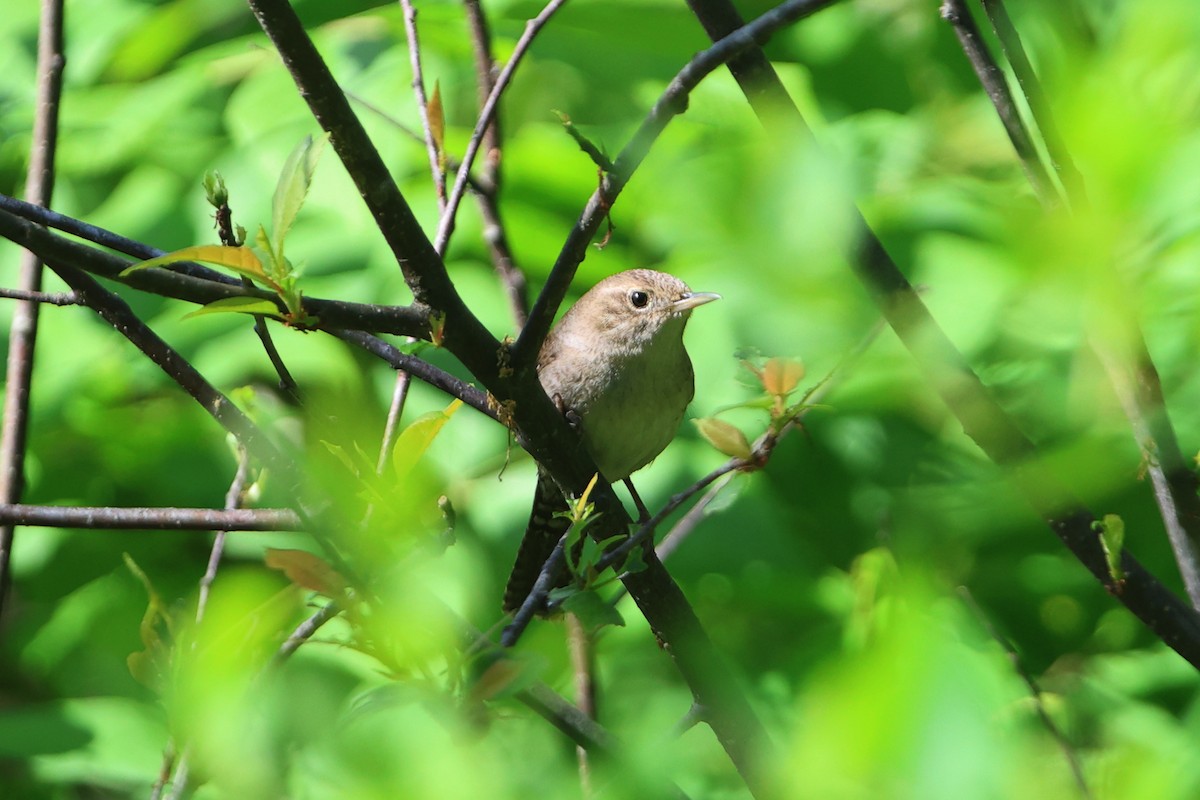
[[829, 580]]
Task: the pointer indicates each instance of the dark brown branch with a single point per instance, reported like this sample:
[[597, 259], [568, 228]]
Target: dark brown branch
[[39, 185], [1175, 484], [418, 260], [982, 418], [1043, 118], [992, 77], [150, 519]]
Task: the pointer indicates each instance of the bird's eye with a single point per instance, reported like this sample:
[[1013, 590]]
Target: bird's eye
[[639, 299]]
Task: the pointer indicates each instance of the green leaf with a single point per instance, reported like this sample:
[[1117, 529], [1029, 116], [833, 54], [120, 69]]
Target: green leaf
[[1112, 541], [294, 181], [240, 260], [238, 305], [416, 438], [723, 436], [592, 611]]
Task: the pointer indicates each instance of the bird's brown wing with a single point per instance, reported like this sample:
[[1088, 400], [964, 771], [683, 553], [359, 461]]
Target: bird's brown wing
[[541, 535]]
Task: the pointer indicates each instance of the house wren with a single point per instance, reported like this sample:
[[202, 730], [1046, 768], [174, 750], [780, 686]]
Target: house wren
[[616, 366]]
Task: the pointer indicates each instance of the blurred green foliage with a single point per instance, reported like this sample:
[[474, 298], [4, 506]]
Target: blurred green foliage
[[828, 579]]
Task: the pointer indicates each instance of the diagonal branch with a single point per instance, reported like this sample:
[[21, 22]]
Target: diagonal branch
[[418, 260], [994, 83], [981, 417], [1141, 394]]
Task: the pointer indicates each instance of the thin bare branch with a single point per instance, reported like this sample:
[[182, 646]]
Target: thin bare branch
[[39, 186], [234, 498], [45, 298], [511, 276], [994, 83], [150, 519], [418, 85], [446, 226], [1043, 117]]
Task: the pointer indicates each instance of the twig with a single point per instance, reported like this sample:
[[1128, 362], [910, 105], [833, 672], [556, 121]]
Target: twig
[[582, 645], [511, 276], [618, 554], [418, 85], [392, 427], [1034, 690], [233, 502], [287, 384], [46, 298], [1174, 484], [150, 519], [39, 186], [414, 253], [1043, 118], [537, 594], [992, 77], [305, 631], [446, 226]]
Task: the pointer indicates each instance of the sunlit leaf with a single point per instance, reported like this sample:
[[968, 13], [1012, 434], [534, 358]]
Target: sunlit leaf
[[414, 440], [294, 181], [1112, 540], [723, 436], [238, 305], [241, 260], [780, 376]]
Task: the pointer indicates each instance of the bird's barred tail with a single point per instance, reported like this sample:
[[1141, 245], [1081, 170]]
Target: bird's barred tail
[[541, 535]]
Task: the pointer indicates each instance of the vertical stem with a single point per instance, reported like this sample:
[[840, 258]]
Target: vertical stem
[[582, 646], [39, 187]]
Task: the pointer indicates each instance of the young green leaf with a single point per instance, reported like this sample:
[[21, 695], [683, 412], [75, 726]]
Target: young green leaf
[[294, 181], [238, 305], [414, 440], [723, 436], [1112, 541], [240, 260], [592, 611]]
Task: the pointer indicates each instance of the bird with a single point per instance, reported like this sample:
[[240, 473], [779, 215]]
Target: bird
[[616, 366]]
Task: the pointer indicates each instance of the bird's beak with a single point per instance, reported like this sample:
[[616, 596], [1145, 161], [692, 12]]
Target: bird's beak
[[693, 299]]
